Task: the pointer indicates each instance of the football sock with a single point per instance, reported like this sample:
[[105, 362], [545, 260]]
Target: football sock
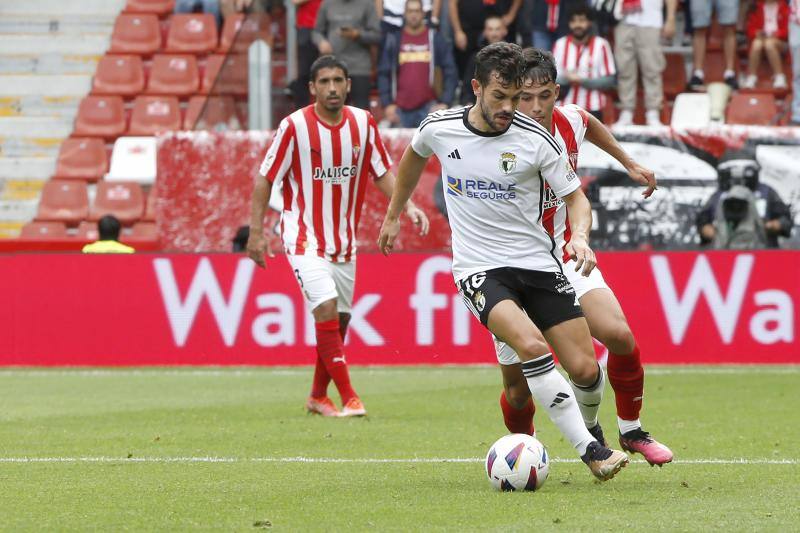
[[552, 392], [628, 425], [626, 375], [331, 352], [517, 420], [319, 387], [589, 398]]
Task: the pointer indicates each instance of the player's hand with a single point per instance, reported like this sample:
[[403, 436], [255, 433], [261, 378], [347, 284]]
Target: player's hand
[[461, 40], [325, 48], [668, 31], [389, 230], [257, 247], [643, 176], [579, 251], [419, 218], [350, 33]]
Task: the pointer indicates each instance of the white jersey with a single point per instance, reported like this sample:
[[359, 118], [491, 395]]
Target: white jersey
[[494, 189], [569, 128]]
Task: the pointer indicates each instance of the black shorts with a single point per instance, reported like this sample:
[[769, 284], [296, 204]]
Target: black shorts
[[546, 297]]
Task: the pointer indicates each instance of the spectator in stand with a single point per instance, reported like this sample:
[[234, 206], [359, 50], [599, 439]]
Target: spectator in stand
[[794, 45], [307, 53], [585, 64], [468, 17], [767, 31], [494, 31], [550, 19], [108, 229], [347, 28], [206, 6], [743, 213], [410, 56], [391, 13], [638, 46], [727, 16]]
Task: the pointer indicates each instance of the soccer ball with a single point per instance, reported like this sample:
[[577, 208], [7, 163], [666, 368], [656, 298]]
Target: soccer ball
[[517, 462]]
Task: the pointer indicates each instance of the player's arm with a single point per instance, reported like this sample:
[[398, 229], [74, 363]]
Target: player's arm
[[386, 185], [408, 174], [257, 243], [600, 136], [579, 211]]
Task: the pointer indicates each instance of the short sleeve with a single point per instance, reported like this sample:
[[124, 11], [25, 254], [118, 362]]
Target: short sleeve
[[579, 120], [380, 162], [420, 142], [279, 156], [556, 170]]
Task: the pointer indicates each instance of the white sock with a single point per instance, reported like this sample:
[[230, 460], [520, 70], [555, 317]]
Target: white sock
[[589, 398], [628, 425], [552, 392], [699, 73], [728, 73]]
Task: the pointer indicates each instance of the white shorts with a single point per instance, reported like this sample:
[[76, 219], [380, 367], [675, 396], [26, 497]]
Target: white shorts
[[582, 284], [321, 280]]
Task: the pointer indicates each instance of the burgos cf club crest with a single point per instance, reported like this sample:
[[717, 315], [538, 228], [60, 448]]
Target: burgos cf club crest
[[508, 162], [479, 299]]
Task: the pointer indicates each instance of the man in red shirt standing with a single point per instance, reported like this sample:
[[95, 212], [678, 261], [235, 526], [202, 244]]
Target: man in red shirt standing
[[306, 50], [322, 157]]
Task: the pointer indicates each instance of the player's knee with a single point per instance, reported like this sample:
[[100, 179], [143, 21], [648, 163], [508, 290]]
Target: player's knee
[[326, 311], [584, 373], [619, 339], [518, 394], [757, 44], [532, 348]]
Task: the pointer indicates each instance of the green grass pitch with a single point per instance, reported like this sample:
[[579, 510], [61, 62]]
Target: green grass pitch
[[180, 449]]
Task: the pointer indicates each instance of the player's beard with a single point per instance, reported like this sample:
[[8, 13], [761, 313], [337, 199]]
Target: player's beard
[[489, 119], [333, 107]]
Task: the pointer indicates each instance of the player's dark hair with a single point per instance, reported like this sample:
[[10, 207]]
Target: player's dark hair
[[540, 66], [327, 61], [109, 227], [501, 59], [581, 10]]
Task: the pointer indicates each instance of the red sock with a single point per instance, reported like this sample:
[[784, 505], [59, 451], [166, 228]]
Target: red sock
[[331, 353], [322, 379], [517, 420], [626, 375]]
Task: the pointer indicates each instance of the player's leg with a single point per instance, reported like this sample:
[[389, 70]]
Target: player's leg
[[608, 324], [344, 276], [516, 401]]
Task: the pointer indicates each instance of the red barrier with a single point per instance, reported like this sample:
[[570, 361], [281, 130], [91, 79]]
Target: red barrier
[[144, 309]]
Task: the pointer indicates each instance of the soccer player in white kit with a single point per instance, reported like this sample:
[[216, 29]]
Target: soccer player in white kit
[[494, 166], [570, 124], [322, 158]]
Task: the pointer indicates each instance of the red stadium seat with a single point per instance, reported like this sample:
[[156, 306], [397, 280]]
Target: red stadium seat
[[100, 116], [150, 207], [43, 230], [119, 74], [173, 75], [161, 8], [225, 75], [136, 34], [211, 113], [82, 158], [239, 32], [142, 231], [674, 76], [192, 33], [124, 200], [154, 114], [87, 231], [64, 201], [751, 108]]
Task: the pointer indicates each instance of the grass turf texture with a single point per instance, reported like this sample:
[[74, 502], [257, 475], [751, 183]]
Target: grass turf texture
[[122, 422]]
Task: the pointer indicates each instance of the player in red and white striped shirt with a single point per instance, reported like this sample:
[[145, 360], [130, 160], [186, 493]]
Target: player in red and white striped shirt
[[569, 125], [585, 63], [322, 158]]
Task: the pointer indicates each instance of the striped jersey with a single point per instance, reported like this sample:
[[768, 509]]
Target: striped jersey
[[593, 59], [323, 172], [569, 128], [494, 189]]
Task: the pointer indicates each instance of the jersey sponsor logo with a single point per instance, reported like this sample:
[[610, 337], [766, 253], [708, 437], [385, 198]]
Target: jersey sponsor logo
[[551, 201], [480, 189], [335, 175], [508, 162]]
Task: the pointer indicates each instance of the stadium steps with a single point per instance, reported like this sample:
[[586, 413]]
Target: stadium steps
[[49, 50]]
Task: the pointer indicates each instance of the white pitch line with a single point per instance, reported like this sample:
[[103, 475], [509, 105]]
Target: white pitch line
[[365, 460], [302, 371]]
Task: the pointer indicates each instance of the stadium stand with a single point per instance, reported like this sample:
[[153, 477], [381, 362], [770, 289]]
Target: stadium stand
[[123, 200], [44, 230], [136, 34], [752, 108], [121, 75], [154, 114], [82, 158], [162, 8], [100, 116], [174, 75], [64, 201], [193, 33]]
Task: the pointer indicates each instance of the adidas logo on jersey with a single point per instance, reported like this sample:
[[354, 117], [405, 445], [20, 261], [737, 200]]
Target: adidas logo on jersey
[[454, 154]]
